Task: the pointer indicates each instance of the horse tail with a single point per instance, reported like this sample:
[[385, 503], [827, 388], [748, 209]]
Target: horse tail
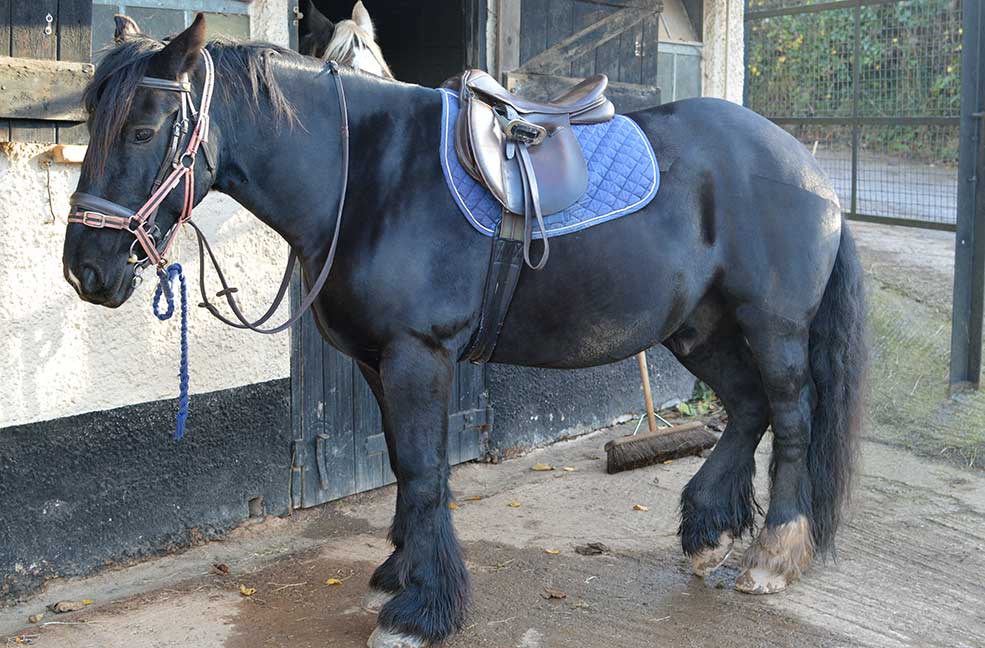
[[839, 362]]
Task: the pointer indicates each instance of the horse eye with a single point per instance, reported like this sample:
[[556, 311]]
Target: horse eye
[[144, 134]]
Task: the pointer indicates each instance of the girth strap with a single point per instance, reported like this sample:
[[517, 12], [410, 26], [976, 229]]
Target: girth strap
[[505, 265]]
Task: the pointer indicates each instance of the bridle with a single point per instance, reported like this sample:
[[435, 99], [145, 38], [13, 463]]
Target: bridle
[[96, 212], [93, 211]]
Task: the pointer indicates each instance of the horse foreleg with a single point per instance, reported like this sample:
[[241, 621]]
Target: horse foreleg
[[433, 582], [385, 581]]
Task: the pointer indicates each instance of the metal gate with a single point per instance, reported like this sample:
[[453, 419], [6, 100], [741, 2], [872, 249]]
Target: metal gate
[[873, 88], [563, 41]]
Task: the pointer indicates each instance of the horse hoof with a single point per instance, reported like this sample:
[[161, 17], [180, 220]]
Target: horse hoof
[[375, 599], [709, 559], [385, 639], [760, 581]]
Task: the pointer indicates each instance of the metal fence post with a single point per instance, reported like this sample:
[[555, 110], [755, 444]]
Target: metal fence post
[[969, 251]]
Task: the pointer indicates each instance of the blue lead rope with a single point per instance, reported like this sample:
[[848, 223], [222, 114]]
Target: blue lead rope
[[167, 278]]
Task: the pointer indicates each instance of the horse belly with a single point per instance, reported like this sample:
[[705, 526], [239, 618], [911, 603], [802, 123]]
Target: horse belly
[[606, 293]]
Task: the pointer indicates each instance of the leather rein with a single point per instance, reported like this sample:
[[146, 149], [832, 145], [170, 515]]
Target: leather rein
[[93, 211]]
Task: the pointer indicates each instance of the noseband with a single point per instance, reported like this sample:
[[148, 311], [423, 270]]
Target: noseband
[[93, 211], [177, 167]]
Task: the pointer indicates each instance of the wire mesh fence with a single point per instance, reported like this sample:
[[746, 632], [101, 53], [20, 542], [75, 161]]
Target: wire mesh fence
[[873, 88]]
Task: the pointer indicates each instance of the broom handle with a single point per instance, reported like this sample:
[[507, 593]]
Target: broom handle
[[647, 396]]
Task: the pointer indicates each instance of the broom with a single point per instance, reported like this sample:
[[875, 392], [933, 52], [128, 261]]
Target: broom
[[656, 446]]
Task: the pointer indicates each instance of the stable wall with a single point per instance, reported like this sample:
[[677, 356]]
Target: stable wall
[[89, 474]]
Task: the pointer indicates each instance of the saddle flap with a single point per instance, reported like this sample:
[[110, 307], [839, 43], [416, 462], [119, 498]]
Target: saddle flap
[[558, 163]]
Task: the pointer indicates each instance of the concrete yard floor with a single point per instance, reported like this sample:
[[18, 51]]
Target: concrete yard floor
[[909, 571]]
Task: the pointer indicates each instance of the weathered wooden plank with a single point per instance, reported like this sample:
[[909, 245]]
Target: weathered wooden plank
[[583, 15], [341, 451], [533, 28], [29, 38], [508, 37], [631, 55], [627, 97], [588, 38], [5, 51], [297, 402], [607, 54], [366, 423], [559, 25], [34, 89], [651, 42], [74, 44], [312, 406]]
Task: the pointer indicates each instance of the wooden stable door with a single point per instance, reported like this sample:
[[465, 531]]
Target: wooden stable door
[[563, 41]]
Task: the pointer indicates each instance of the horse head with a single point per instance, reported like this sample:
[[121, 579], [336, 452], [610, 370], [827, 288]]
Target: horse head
[[350, 42], [142, 120]]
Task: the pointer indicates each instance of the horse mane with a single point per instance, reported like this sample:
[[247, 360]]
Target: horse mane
[[244, 67], [348, 37]]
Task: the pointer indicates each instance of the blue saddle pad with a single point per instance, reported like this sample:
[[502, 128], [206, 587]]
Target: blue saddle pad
[[623, 176]]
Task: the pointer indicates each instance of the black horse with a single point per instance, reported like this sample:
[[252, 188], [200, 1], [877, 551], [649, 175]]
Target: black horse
[[742, 266]]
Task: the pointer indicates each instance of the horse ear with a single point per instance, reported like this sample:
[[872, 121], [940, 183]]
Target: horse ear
[[361, 17], [179, 56], [317, 21], [126, 27]]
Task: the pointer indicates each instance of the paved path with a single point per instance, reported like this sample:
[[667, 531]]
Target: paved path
[[909, 573]]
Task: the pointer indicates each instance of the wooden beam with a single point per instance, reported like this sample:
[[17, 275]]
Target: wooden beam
[[590, 38], [74, 44], [627, 97], [507, 36], [32, 35], [36, 89]]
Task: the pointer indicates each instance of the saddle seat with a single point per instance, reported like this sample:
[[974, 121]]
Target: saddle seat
[[580, 101], [525, 152]]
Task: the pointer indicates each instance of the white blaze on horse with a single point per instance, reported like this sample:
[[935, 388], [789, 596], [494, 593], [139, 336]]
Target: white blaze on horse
[[350, 42]]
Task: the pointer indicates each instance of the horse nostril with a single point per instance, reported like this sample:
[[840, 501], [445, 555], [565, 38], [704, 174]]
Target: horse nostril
[[89, 279]]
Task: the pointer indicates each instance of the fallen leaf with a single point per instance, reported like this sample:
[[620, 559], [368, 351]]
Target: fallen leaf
[[247, 591], [568, 468], [640, 507], [86, 601], [669, 461], [333, 581], [552, 552], [551, 593], [61, 607], [472, 498], [541, 467], [591, 549], [453, 506], [36, 618], [514, 504], [220, 568]]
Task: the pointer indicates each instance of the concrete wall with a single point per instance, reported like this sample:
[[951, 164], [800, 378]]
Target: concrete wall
[[60, 356], [723, 67]]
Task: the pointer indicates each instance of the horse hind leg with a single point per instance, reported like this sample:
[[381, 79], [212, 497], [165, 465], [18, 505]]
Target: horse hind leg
[[718, 504], [784, 547]]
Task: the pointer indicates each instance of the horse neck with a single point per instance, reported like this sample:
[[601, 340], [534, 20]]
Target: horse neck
[[290, 176]]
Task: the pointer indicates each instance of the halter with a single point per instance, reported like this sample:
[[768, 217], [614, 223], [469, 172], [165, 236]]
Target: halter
[[99, 213], [93, 211]]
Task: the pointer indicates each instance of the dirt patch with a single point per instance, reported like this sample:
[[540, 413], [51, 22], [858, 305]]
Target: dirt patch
[[609, 601], [294, 607]]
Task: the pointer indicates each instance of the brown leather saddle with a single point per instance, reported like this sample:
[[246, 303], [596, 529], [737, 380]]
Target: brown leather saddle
[[525, 152], [528, 157]]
